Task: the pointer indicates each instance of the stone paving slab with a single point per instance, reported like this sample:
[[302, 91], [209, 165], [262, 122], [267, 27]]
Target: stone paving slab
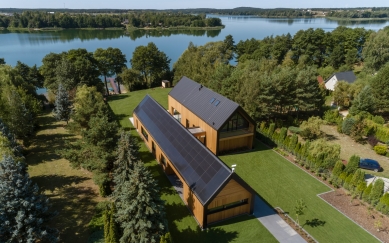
[[274, 223]]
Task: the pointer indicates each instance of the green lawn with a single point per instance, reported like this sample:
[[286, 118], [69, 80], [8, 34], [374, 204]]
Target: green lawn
[[281, 183], [182, 225]]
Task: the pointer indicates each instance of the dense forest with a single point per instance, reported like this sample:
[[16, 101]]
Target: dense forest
[[40, 19]]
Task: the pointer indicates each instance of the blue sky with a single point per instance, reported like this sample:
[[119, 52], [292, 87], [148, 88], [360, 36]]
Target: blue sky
[[167, 4]]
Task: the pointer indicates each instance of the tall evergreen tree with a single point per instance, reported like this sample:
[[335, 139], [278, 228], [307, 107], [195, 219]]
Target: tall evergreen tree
[[363, 102], [62, 108], [140, 210], [127, 155], [24, 211]]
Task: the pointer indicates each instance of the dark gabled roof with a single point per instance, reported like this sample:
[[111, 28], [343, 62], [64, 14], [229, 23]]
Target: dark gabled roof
[[348, 76], [202, 171], [198, 99]]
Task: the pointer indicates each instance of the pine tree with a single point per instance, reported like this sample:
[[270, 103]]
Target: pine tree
[[127, 155], [24, 211], [62, 108], [140, 210]]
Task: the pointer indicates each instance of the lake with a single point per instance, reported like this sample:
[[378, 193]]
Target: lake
[[31, 47]]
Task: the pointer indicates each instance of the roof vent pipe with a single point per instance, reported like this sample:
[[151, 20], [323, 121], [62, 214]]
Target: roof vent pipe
[[233, 167], [201, 86]]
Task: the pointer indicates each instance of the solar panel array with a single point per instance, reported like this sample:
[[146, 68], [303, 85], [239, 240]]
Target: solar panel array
[[210, 106], [202, 171]]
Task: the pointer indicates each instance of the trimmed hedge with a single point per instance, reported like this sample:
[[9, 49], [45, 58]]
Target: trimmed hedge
[[376, 192], [353, 164], [366, 193]]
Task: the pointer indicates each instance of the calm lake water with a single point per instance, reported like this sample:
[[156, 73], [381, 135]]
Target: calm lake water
[[31, 47]]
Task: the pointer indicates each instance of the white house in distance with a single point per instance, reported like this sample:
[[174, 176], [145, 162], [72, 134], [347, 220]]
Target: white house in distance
[[348, 77]]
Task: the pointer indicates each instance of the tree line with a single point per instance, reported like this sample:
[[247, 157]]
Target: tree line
[[40, 19], [362, 13]]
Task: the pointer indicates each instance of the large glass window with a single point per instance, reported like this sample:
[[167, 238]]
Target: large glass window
[[177, 115], [236, 122], [145, 135], [163, 160], [228, 206]]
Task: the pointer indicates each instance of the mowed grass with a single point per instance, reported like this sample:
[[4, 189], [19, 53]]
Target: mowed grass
[[281, 183], [182, 225], [71, 191]]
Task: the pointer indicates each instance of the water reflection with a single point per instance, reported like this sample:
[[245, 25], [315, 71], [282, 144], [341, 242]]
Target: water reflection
[[358, 22], [167, 33], [51, 37]]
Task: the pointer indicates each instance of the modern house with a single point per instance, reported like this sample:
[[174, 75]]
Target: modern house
[[219, 123], [210, 189], [348, 77]]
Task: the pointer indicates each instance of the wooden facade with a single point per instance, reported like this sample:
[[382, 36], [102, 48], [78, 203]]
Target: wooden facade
[[214, 139], [231, 191]]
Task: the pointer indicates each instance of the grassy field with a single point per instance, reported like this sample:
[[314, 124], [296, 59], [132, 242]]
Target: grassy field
[[281, 183], [71, 191], [182, 225]]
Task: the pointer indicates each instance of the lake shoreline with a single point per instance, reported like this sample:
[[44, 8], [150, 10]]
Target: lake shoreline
[[178, 28], [356, 19]]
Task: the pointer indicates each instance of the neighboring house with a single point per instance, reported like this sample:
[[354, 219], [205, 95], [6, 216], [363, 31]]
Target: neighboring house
[[210, 189], [348, 77], [219, 123]]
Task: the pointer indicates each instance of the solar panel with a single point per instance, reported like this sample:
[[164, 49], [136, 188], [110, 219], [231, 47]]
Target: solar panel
[[195, 163]]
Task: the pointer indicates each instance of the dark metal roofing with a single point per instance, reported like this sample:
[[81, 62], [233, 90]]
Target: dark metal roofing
[[348, 76], [202, 171], [208, 105]]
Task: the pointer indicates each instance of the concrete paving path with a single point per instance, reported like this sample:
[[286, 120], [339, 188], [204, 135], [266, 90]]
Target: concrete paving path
[[274, 223]]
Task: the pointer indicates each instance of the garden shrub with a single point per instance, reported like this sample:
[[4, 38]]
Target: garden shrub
[[372, 140], [285, 142], [311, 129], [283, 133], [295, 130], [381, 149], [366, 193], [293, 142], [376, 192], [331, 116], [262, 127], [348, 125], [360, 188], [297, 149], [357, 131], [383, 205], [358, 177], [353, 164], [342, 178], [370, 127], [339, 124], [347, 183], [271, 130], [338, 169], [382, 133], [378, 120], [324, 153]]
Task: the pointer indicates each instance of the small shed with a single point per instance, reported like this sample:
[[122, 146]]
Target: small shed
[[165, 84]]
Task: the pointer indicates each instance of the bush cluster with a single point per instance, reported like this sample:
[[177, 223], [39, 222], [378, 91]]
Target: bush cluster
[[381, 149], [317, 156]]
